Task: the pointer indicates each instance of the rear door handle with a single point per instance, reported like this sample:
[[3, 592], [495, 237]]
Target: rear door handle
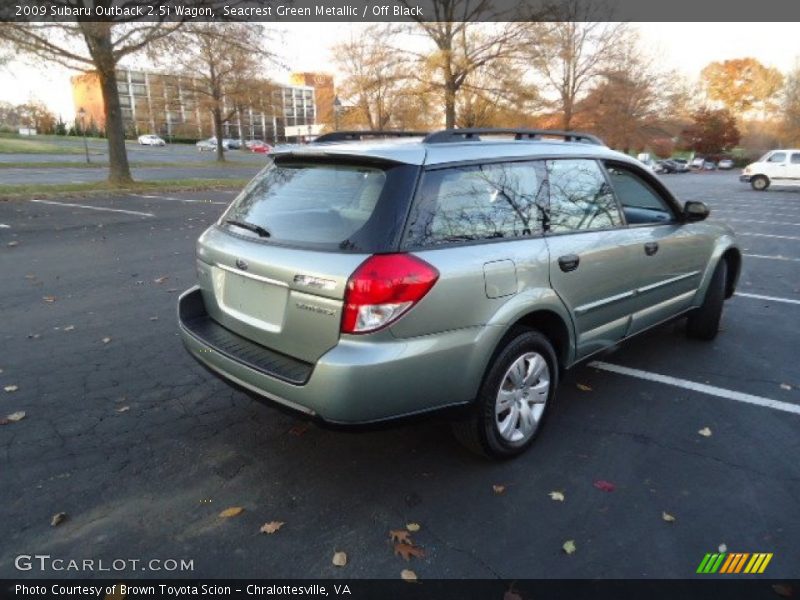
[[569, 262], [651, 248]]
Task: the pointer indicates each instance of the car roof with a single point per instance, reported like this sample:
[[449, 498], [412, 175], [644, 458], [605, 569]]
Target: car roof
[[414, 150]]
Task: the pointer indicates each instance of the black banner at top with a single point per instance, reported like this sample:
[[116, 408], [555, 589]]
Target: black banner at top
[[285, 11]]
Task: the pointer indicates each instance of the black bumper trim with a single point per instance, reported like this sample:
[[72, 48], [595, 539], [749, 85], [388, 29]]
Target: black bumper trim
[[196, 321]]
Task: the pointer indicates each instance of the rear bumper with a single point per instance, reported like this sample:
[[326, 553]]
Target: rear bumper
[[358, 381]]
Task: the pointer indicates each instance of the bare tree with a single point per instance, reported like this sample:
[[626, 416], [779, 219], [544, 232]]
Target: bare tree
[[634, 101], [791, 106], [89, 45], [221, 64], [570, 55], [376, 79], [463, 45]]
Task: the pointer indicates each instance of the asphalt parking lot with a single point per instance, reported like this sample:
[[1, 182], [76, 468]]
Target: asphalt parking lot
[[142, 449], [149, 163]]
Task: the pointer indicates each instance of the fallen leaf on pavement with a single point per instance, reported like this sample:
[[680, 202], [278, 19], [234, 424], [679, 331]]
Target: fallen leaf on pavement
[[705, 432], [400, 535], [299, 429], [57, 519], [408, 575], [723, 548], [784, 591], [49, 299], [17, 416], [122, 409], [154, 318], [407, 551], [584, 388], [499, 489], [604, 486], [412, 527], [160, 279], [11, 388], [339, 559], [271, 527], [667, 517], [233, 511], [569, 547], [106, 340], [69, 328], [786, 386], [12, 244], [557, 496]]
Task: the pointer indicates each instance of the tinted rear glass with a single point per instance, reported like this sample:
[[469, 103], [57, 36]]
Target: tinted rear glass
[[326, 205]]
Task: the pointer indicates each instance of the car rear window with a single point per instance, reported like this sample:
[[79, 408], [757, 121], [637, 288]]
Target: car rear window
[[325, 205]]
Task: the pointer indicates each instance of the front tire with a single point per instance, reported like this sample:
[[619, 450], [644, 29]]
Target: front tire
[[515, 397], [703, 322], [759, 183]]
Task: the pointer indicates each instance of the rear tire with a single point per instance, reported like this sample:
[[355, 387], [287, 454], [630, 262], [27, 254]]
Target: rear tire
[[759, 183], [703, 322], [516, 395]]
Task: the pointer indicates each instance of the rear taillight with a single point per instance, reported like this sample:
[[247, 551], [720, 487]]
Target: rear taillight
[[382, 288]]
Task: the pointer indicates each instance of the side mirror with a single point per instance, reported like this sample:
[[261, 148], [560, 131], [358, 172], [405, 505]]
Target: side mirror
[[695, 211]]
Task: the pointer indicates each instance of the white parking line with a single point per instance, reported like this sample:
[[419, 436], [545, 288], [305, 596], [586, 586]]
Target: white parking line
[[770, 298], [101, 208], [703, 388], [769, 235], [778, 257], [761, 222], [173, 199]]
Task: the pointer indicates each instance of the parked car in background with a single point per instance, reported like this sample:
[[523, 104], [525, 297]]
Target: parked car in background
[[698, 162], [778, 167], [151, 139], [232, 144], [210, 144], [681, 163], [356, 283], [250, 143], [726, 164], [260, 148], [667, 167]]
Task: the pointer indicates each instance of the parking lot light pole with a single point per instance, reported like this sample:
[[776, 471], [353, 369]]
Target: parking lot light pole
[[82, 115], [337, 106]]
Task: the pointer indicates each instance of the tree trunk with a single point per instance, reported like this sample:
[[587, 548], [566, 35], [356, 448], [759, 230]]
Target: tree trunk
[[449, 102], [99, 42], [217, 114]]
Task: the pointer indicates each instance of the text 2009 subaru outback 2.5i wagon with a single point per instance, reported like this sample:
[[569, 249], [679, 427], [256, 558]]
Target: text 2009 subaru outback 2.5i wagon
[[360, 281]]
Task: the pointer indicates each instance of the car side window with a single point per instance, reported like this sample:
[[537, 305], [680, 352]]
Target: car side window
[[477, 202], [777, 157], [640, 202], [795, 160], [580, 197]]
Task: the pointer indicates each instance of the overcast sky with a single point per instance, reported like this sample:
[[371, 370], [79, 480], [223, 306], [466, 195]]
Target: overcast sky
[[687, 47]]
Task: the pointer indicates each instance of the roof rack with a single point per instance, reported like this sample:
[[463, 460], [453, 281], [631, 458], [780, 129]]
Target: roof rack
[[355, 136], [473, 134]]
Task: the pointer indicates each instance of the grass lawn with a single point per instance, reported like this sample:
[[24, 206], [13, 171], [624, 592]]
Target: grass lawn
[[26, 191], [96, 164], [19, 145]]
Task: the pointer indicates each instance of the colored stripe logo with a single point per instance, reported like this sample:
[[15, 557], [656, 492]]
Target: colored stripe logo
[[734, 562]]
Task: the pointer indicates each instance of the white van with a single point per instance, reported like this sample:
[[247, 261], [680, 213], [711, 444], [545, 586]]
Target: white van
[[779, 167]]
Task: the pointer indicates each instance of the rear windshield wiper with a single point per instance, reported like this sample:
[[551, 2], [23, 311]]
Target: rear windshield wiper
[[250, 226]]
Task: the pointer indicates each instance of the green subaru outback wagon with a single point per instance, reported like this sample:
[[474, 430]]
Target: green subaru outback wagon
[[376, 275]]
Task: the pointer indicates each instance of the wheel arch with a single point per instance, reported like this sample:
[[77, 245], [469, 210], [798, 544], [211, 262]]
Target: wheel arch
[[733, 262], [551, 325]]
